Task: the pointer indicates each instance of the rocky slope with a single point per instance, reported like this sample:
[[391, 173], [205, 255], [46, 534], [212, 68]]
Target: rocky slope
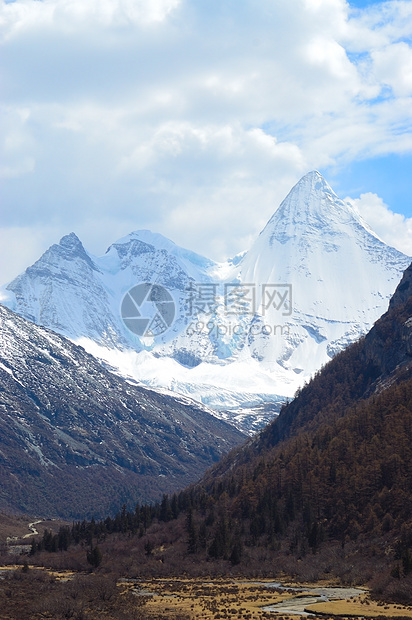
[[77, 440]]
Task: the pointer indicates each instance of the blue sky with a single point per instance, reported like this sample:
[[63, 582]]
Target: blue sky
[[361, 4], [388, 176], [194, 119]]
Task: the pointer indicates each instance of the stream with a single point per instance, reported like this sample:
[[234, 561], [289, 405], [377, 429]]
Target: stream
[[297, 604]]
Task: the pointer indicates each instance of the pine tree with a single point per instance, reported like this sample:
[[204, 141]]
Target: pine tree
[[192, 542], [236, 555], [34, 547], [94, 557]]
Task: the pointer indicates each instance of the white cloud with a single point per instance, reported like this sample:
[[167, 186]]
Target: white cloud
[[22, 17], [16, 159], [20, 247], [393, 228], [190, 117], [393, 66], [378, 25]]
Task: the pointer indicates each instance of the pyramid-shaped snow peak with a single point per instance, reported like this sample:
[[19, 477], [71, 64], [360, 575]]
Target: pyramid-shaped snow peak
[[312, 209]]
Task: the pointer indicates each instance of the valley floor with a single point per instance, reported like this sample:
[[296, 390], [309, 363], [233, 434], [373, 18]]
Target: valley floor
[[32, 593], [250, 600]]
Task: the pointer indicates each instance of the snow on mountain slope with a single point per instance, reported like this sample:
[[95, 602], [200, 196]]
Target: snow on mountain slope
[[63, 291], [234, 391], [78, 440], [77, 294], [340, 274], [232, 335]]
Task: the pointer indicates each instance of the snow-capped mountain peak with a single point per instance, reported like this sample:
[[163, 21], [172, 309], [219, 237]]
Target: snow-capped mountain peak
[[311, 209], [69, 248], [71, 241], [247, 331], [146, 242]]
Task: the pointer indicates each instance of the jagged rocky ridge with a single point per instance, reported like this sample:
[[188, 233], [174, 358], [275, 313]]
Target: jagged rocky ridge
[[78, 441], [315, 280]]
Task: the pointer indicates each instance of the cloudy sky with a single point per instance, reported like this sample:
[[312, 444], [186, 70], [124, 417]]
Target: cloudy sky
[[194, 118]]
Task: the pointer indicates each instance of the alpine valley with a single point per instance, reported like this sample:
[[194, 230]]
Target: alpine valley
[[312, 516], [241, 336]]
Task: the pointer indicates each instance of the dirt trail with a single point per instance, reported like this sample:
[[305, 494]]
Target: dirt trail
[[33, 529]]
